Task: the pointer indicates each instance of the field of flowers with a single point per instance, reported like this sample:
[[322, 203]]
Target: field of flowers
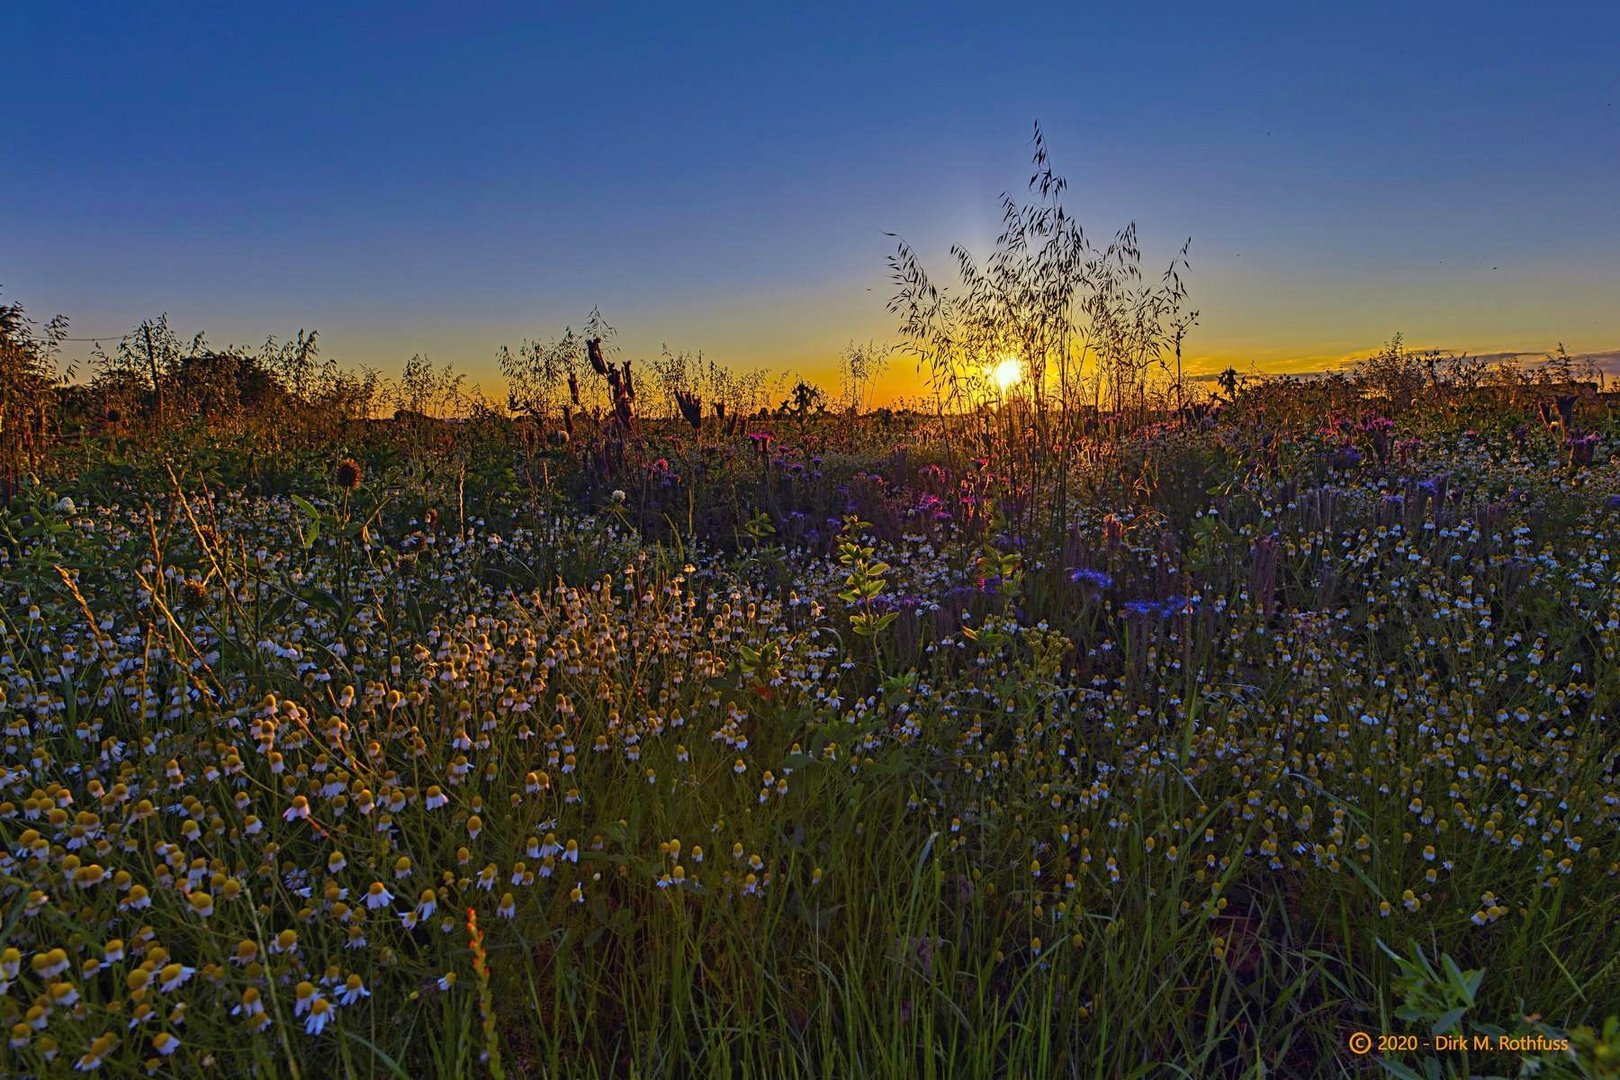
[[792, 753]]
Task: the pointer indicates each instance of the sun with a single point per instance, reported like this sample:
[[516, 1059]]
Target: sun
[[1008, 374]]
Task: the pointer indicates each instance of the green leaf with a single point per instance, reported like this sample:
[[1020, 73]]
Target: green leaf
[[1449, 1020], [394, 1068]]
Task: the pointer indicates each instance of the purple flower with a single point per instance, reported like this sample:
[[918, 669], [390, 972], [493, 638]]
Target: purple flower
[[1096, 579], [1346, 457]]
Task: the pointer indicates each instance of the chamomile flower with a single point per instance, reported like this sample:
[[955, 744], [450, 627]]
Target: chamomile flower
[[100, 1047], [251, 1005], [174, 976], [352, 990], [320, 1014]]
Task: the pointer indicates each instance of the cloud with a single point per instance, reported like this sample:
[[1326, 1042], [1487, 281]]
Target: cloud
[[1606, 362]]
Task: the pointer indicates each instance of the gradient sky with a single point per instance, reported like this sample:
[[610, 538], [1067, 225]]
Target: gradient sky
[[444, 179]]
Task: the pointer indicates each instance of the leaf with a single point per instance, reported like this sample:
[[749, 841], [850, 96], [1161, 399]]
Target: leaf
[[598, 907], [1449, 1020], [394, 1067], [322, 599]]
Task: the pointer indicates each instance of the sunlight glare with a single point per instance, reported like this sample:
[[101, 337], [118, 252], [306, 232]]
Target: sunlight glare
[[1008, 373]]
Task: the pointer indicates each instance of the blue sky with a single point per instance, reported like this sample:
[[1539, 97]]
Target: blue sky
[[417, 178]]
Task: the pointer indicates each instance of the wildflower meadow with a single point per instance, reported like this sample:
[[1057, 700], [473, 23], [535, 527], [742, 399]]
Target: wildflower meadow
[[1095, 720]]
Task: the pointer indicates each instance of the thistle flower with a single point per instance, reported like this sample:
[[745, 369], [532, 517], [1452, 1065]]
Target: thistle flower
[[348, 474]]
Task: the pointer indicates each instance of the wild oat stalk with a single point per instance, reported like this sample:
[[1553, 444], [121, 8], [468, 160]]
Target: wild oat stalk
[[1073, 317]]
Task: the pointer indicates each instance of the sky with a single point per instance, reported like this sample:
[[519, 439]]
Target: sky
[[445, 179]]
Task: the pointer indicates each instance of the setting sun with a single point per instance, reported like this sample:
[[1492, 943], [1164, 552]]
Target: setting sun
[[1008, 373]]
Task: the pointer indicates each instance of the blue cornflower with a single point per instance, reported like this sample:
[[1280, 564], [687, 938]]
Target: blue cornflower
[[1094, 578]]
